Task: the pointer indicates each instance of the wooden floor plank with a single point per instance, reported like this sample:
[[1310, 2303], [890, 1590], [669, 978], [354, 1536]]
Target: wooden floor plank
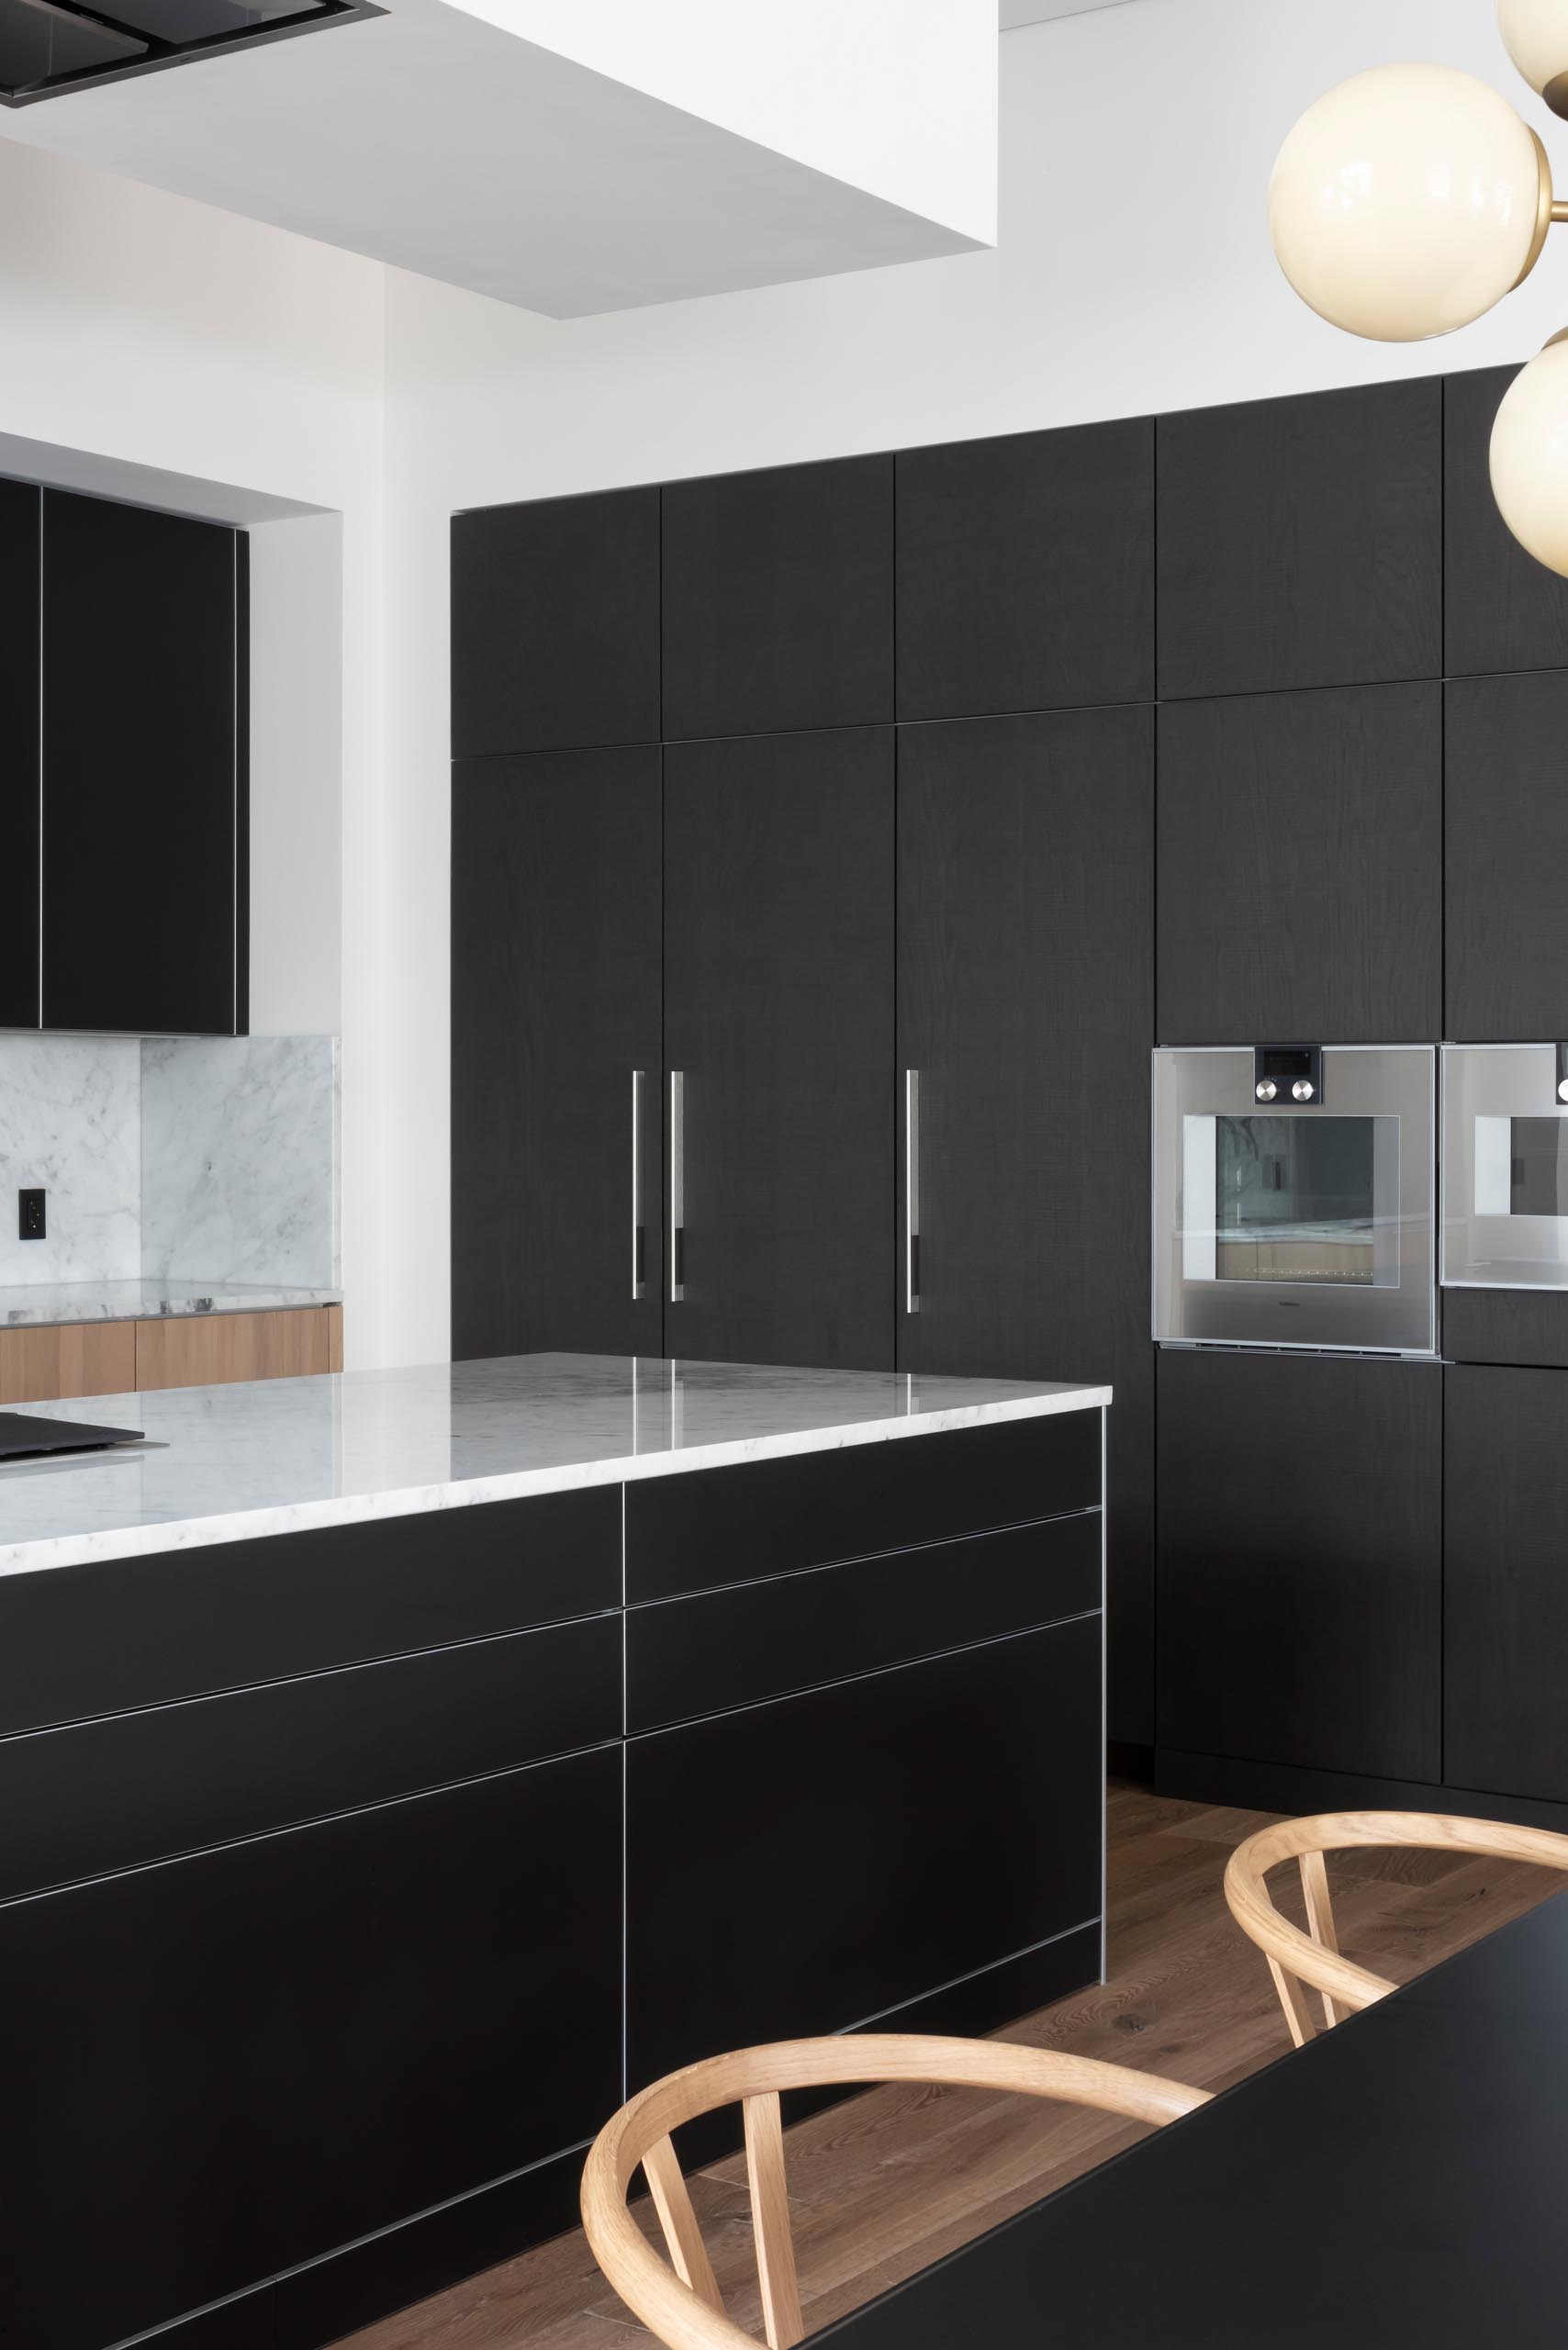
[[889, 2181]]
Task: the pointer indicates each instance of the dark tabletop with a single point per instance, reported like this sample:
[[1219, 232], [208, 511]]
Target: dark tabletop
[[1404, 2180]]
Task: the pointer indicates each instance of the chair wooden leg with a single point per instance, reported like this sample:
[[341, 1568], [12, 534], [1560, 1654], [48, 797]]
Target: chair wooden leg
[[1320, 1915], [771, 2223], [688, 2253], [1293, 1999]]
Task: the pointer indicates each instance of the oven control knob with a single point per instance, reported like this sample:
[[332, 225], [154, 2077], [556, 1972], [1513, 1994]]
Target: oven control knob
[[1302, 1089], [1267, 1090], [1563, 1090]]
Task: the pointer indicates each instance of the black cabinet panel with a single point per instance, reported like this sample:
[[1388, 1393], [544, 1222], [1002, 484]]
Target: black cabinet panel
[[119, 1633], [142, 792], [556, 1003], [778, 1014], [555, 624], [1300, 541], [1502, 609], [280, 2047], [1301, 1560], [1505, 1581], [778, 599], [1025, 571], [110, 1794], [1508, 851], [688, 1657], [878, 1828], [19, 793], [1025, 1003], [768, 1517], [1300, 863], [1506, 1326]]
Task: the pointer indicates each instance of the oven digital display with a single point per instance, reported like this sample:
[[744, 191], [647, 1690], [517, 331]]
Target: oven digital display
[[1538, 1167], [1296, 1200]]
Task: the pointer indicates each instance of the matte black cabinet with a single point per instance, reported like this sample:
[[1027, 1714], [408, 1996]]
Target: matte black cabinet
[[1508, 852], [277, 2047], [1301, 1561], [19, 978], [145, 787], [1505, 1581], [557, 1053], [1501, 609], [1025, 571], [860, 1845], [778, 599], [1025, 1005], [555, 624], [778, 1020], [1300, 541], [1301, 867]]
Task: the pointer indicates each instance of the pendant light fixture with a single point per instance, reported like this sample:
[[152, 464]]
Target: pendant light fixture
[[1407, 201]]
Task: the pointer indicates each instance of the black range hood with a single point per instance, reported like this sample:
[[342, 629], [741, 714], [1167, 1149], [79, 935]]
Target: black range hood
[[48, 47]]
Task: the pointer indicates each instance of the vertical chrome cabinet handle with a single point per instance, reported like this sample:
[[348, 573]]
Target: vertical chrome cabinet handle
[[912, 1190], [677, 1185], [639, 1219]]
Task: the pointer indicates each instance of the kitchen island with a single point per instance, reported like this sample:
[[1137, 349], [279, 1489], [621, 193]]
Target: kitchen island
[[395, 1765]]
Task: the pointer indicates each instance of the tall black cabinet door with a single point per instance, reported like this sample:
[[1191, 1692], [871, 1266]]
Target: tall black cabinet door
[[778, 1023], [1025, 1004], [20, 792], [145, 805], [1506, 830], [555, 1054]]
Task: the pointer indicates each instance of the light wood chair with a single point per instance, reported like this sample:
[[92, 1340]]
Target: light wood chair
[[683, 2309], [1297, 1959]]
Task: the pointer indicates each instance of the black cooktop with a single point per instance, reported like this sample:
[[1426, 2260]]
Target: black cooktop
[[24, 1433]]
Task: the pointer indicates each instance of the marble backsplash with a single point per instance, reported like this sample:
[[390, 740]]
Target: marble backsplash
[[211, 1160]]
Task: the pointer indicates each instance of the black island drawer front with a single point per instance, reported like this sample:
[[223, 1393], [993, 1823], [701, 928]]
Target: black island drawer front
[[768, 1518], [111, 1794], [76, 1641], [802, 1866], [234, 2064], [720, 1649]]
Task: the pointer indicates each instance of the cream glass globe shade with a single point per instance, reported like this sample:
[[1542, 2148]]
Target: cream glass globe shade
[[1535, 34], [1530, 457], [1407, 201]]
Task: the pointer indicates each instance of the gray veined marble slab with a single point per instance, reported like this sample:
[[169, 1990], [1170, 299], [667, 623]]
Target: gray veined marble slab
[[32, 1303], [281, 1455]]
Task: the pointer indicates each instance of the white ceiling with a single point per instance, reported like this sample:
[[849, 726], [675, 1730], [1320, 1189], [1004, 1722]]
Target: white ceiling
[[1035, 12], [438, 141]]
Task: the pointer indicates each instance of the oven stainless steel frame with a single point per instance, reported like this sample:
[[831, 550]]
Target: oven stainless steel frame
[[1504, 1168], [1370, 1284]]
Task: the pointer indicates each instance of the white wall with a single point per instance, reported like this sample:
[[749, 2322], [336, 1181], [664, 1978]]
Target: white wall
[[1132, 274], [297, 762], [161, 340]]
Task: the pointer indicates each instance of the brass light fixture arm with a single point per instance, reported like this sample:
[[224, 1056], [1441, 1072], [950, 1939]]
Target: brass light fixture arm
[[1547, 209]]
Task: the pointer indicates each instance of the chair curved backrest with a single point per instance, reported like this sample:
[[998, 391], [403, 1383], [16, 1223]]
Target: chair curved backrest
[[682, 2307], [1296, 1958]]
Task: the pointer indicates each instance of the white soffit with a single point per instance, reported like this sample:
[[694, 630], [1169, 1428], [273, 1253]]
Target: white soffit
[[1039, 12], [438, 139]]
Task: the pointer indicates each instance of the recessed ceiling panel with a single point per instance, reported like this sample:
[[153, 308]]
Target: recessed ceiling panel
[[48, 47], [39, 43], [181, 22]]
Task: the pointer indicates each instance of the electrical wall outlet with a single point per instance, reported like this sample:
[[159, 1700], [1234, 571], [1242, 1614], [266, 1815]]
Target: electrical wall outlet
[[31, 1215]]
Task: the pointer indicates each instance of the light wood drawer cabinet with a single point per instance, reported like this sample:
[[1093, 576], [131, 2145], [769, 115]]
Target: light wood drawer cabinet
[[77, 1359]]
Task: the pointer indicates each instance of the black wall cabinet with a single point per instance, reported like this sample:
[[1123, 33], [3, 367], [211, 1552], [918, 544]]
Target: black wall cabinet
[[1507, 853], [146, 821], [1025, 1003], [1301, 861], [1501, 609], [556, 1003], [1025, 571], [1505, 1581], [779, 1015], [19, 989], [1301, 1561], [1301, 542], [555, 624], [778, 599]]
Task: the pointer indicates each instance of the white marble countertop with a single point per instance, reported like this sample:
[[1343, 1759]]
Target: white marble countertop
[[226, 1464], [31, 1304]]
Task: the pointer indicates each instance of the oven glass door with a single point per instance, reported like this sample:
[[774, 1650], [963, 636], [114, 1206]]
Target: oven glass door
[[1504, 1168], [1278, 1225]]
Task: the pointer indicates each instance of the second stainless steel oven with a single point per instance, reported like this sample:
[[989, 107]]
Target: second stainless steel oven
[[1293, 1197]]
